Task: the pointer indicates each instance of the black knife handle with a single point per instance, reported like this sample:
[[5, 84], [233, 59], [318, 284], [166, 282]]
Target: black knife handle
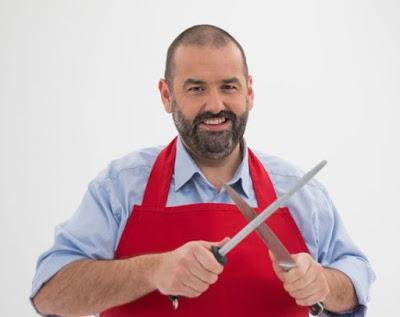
[[174, 300], [317, 309], [220, 258]]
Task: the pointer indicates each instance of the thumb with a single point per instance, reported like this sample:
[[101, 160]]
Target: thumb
[[209, 244], [222, 242], [272, 256]]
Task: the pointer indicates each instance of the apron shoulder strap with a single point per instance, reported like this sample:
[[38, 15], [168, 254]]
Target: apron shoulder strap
[[262, 184], [157, 188]]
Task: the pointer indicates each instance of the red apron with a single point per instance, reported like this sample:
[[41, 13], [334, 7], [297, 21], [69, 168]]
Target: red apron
[[247, 286]]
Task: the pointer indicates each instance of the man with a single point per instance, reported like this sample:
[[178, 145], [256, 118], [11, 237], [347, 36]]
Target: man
[[146, 225]]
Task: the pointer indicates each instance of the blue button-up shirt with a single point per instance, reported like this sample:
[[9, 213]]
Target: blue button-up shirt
[[94, 230]]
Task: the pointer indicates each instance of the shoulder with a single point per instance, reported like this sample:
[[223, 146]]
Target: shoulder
[[311, 202], [311, 208], [284, 173], [136, 164]]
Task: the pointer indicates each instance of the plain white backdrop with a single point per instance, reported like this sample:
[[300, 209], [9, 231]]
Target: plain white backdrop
[[78, 88]]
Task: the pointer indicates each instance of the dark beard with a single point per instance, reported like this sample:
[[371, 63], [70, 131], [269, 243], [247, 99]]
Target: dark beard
[[208, 144]]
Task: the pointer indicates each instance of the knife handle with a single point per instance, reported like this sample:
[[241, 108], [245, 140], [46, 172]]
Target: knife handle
[[174, 300], [317, 309], [220, 258]]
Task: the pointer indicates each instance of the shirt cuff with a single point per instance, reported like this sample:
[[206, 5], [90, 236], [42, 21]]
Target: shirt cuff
[[47, 269], [361, 275], [360, 311]]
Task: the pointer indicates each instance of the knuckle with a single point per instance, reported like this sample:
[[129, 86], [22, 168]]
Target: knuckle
[[217, 268], [328, 290], [303, 256], [195, 293], [191, 244], [213, 279], [281, 276], [302, 270], [190, 247], [204, 288], [192, 295], [286, 286], [294, 294], [325, 292], [296, 274]]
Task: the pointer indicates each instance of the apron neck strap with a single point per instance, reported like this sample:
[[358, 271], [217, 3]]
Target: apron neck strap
[[157, 188], [158, 184], [262, 184]]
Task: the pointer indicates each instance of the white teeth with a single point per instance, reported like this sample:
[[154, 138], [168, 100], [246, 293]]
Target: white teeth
[[214, 121]]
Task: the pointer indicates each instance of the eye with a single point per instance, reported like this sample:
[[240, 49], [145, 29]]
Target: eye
[[228, 87], [196, 89]]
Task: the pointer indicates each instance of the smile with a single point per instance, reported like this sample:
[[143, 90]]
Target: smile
[[214, 121], [215, 124]]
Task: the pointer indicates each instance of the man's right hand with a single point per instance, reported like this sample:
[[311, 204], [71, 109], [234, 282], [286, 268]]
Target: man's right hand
[[189, 270]]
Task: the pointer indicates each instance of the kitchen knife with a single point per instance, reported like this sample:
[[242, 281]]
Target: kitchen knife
[[280, 252]]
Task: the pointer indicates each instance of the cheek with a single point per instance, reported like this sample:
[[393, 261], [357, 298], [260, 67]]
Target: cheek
[[238, 105], [190, 109], [189, 113]]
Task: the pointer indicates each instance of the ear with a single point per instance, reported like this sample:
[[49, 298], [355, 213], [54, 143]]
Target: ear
[[250, 92], [165, 95]]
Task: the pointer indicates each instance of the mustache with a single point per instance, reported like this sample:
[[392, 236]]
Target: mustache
[[209, 115]]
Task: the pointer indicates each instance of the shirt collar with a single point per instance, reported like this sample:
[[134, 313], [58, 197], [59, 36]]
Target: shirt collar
[[185, 168]]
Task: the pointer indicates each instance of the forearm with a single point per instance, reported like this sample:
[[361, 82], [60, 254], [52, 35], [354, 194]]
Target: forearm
[[342, 296], [88, 287]]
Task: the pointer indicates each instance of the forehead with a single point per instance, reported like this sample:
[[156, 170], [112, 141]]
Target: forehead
[[208, 63]]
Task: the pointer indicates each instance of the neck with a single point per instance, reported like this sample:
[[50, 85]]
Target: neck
[[219, 170]]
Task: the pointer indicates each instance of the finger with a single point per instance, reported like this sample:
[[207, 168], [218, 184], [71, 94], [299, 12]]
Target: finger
[[280, 273], [277, 269], [310, 300], [222, 242], [193, 282], [206, 276], [272, 256], [304, 292], [316, 291], [188, 291], [218, 244], [301, 283], [298, 272], [195, 285], [208, 261]]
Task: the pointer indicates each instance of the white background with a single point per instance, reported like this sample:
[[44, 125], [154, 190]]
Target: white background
[[78, 88]]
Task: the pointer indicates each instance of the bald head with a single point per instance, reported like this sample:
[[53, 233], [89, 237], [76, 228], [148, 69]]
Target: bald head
[[202, 36]]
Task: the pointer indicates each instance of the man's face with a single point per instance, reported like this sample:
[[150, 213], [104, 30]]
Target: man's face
[[210, 99]]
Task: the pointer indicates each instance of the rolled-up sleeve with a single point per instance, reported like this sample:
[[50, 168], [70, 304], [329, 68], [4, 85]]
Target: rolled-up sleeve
[[91, 233], [337, 250]]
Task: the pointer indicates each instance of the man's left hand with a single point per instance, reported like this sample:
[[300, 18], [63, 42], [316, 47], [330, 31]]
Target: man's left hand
[[306, 283]]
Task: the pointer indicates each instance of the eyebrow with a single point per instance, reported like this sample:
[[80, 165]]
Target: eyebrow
[[233, 80], [191, 81]]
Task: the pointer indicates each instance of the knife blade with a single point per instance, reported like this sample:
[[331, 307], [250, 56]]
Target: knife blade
[[285, 260], [267, 235]]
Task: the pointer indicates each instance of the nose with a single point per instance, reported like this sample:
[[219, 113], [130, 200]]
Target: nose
[[214, 102]]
